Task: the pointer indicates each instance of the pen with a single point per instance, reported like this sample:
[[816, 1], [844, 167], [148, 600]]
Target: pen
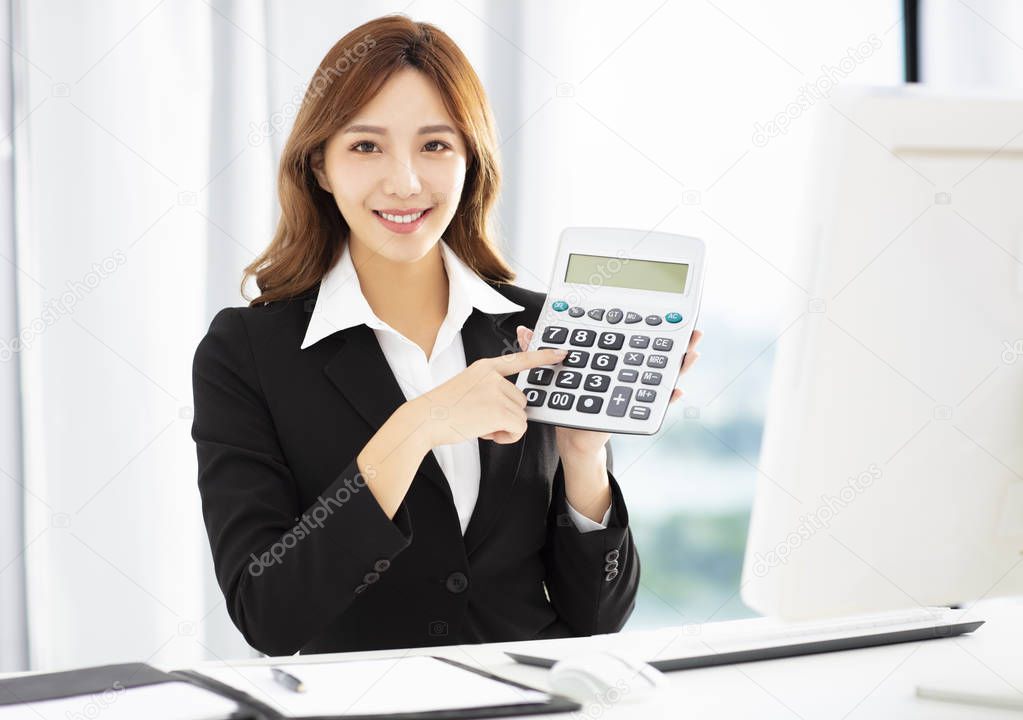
[[287, 680], [1011, 702]]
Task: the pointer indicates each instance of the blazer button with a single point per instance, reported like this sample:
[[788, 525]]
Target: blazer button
[[381, 565], [611, 555], [457, 582], [611, 575], [613, 565], [371, 577], [360, 588]]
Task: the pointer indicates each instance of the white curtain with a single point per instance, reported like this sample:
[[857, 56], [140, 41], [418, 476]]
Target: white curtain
[[138, 195], [13, 648]]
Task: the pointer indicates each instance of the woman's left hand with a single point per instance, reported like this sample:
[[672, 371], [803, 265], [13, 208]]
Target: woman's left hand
[[589, 442]]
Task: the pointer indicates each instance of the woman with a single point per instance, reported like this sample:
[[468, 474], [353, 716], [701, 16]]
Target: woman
[[368, 477]]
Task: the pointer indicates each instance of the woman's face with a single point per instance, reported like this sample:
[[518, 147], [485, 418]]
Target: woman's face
[[400, 155]]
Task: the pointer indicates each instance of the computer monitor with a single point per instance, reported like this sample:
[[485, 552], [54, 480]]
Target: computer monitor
[[891, 468]]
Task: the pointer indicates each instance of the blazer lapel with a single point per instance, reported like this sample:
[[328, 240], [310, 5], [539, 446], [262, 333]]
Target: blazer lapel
[[484, 336], [360, 371]]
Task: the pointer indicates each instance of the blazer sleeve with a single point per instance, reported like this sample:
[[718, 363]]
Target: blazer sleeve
[[592, 577], [285, 571]]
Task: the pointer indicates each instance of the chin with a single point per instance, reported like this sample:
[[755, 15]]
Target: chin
[[404, 248]]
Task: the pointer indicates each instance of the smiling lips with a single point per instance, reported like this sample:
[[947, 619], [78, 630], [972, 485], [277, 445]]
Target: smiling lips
[[402, 220], [399, 215]]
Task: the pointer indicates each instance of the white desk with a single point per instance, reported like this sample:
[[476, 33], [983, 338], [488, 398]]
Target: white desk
[[869, 683]]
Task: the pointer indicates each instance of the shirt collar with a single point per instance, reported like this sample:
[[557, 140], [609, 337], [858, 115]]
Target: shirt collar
[[340, 303]]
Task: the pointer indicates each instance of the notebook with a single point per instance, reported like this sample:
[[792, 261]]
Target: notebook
[[164, 701], [125, 691]]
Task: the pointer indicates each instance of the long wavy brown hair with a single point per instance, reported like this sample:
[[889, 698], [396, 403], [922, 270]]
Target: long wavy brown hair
[[311, 232]]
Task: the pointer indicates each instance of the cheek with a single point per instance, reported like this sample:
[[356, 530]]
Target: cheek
[[448, 177], [352, 184]]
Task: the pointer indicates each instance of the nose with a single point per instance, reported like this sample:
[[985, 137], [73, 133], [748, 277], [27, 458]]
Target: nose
[[402, 179]]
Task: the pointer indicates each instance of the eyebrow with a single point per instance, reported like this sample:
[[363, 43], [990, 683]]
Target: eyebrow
[[425, 130]]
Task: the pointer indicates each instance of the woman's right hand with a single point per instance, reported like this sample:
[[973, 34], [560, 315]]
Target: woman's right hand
[[480, 401]]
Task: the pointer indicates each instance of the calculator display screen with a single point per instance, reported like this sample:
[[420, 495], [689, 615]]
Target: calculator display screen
[[628, 273]]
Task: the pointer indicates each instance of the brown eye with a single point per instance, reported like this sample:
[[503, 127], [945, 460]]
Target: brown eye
[[361, 144], [436, 142]]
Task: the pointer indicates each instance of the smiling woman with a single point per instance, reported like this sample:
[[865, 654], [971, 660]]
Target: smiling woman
[[368, 476], [371, 164], [396, 110]]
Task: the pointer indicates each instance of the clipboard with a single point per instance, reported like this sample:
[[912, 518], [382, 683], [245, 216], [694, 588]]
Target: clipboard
[[554, 704], [97, 679]]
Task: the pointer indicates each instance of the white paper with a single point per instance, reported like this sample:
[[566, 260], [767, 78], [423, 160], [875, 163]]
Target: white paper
[[162, 701], [413, 683]]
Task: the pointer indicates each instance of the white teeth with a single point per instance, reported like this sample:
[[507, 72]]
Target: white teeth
[[403, 218]]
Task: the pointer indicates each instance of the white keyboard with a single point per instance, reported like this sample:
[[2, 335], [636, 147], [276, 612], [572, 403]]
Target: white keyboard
[[850, 625], [702, 645]]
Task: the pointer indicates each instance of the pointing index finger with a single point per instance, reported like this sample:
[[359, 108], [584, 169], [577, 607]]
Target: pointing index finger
[[517, 362]]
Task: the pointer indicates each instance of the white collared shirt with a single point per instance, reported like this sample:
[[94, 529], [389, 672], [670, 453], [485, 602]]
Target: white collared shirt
[[340, 304]]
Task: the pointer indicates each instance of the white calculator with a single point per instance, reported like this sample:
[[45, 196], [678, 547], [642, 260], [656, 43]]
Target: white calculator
[[624, 304]]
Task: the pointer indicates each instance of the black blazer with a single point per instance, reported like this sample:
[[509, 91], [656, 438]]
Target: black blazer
[[304, 554]]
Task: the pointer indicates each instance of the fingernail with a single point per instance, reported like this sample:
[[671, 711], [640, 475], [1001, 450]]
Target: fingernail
[[561, 352]]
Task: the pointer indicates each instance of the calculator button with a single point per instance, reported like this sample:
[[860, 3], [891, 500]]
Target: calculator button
[[657, 361], [568, 379], [598, 383], [653, 319], [583, 337], [639, 341], [576, 312], [631, 317], [611, 341], [673, 317], [554, 334], [596, 313], [540, 376], [560, 305], [614, 316], [644, 395], [619, 401], [589, 404], [664, 344], [561, 401], [651, 378], [627, 375], [633, 358], [639, 412], [604, 361], [575, 358], [535, 396]]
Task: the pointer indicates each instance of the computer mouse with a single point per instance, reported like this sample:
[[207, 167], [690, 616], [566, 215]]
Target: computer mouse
[[605, 675]]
